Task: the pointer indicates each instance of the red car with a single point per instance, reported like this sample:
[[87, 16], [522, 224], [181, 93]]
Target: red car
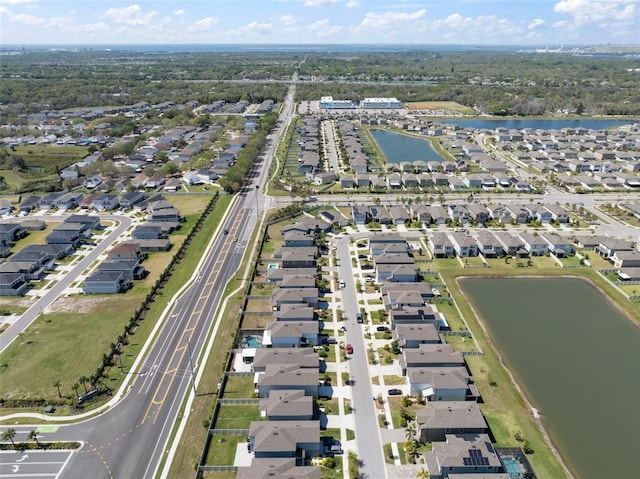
[[349, 349]]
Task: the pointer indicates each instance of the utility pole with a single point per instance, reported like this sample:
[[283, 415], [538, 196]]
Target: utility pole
[[193, 378]]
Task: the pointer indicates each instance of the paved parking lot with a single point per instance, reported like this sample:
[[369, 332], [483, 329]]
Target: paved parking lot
[[33, 464]]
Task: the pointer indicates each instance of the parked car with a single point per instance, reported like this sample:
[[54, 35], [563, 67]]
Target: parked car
[[394, 392], [342, 283], [349, 349], [359, 317], [331, 340], [383, 329]]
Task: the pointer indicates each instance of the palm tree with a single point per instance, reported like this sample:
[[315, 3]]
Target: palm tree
[[83, 380], [9, 434], [56, 384], [409, 432], [33, 435], [75, 388], [422, 474]]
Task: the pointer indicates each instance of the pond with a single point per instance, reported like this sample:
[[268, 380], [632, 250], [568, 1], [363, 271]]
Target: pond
[[398, 148], [575, 356], [539, 124]]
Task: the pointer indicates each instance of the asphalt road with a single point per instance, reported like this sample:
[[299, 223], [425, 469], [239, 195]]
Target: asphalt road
[[129, 440], [11, 333], [368, 440]]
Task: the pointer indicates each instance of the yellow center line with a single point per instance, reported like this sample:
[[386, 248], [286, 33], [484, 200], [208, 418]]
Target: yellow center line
[[196, 316]]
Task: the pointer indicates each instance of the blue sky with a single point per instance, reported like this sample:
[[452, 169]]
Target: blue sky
[[473, 22]]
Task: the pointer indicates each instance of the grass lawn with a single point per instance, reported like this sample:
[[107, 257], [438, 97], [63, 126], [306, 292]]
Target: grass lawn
[[330, 405], [237, 416], [222, 448], [332, 473], [239, 387], [392, 380], [70, 344], [570, 261], [34, 237]]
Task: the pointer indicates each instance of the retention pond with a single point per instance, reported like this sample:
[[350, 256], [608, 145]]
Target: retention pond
[[575, 356]]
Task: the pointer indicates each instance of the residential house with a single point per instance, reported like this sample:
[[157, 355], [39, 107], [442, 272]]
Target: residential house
[[512, 245], [287, 377], [302, 357], [626, 259], [464, 455], [431, 356], [439, 418], [284, 439], [464, 245], [132, 268], [277, 468], [128, 200], [106, 202], [105, 282], [535, 245], [608, 247], [439, 384], [441, 246], [558, 245], [128, 250], [488, 245], [399, 214], [29, 203], [558, 213], [283, 296], [291, 334], [13, 284], [427, 314], [287, 405]]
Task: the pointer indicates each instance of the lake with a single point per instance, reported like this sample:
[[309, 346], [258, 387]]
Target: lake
[[575, 357], [538, 124], [398, 148]]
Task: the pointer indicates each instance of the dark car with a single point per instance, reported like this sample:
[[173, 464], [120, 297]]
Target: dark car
[[383, 329], [226, 231], [394, 392], [349, 349]]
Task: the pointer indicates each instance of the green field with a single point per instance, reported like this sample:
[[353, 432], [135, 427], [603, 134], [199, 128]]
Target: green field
[[38, 164], [440, 105]]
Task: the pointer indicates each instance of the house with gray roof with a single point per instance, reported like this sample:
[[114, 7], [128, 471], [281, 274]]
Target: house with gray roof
[[464, 245], [512, 245], [431, 356], [404, 298], [302, 357], [277, 275], [464, 455], [287, 377], [441, 246], [13, 284], [284, 296], [393, 272], [287, 405], [291, 334], [439, 383], [488, 244], [282, 439], [413, 335], [277, 468], [295, 312], [427, 314], [439, 418], [535, 245], [105, 282]]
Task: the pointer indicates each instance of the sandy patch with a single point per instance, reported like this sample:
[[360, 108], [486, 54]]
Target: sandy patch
[[78, 305]]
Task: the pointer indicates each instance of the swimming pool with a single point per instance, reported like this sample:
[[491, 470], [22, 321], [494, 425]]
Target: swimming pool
[[513, 467], [253, 342], [273, 266]]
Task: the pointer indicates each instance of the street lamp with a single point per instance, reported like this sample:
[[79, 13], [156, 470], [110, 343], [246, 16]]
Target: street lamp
[[193, 378]]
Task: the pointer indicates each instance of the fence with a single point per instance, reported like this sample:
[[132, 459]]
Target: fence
[[239, 401]]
